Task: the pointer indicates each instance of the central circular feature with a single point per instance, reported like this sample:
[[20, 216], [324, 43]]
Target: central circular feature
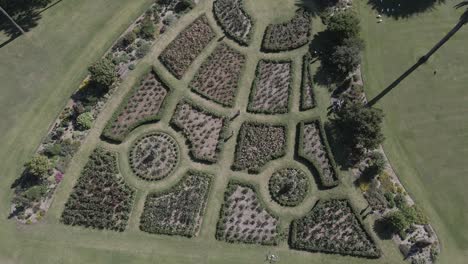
[[154, 156], [288, 186]]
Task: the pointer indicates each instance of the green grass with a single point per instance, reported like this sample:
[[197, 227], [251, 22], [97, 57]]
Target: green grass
[[46, 66], [425, 124]]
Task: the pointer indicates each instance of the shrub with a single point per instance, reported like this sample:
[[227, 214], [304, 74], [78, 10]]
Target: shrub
[[143, 50], [396, 221], [344, 24], [38, 166], [35, 193], [147, 29], [85, 120], [103, 72], [128, 38], [289, 186]]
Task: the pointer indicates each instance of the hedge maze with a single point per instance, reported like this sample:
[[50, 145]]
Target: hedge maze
[[231, 16], [204, 130], [244, 219], [290, 35], [289, 186], [187, 46], [313, 146], [143, 104], [100, 199], [257, 144], [332, 227], [218, 77], [179, 210], [154, 156], [271, 87]]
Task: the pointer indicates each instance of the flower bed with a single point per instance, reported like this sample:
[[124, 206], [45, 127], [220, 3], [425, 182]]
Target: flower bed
[[236, 23], [187, 46], [154, 156], [143, 104], [204, 130], [179, 210], [307, 88], [290, 35], [218, 77], [245, 219], [288, 186], [271, 87], [257, 144], [313, 146], [100, 198], [332, 227]]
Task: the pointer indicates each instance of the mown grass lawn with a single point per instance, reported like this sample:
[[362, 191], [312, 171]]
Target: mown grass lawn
[[426, 115]]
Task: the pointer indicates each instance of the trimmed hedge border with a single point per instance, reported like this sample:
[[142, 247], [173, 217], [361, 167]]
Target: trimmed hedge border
[[195, 226], [268, 46], [273, 157], [135, 142], [324, 139], [294, 228], [107, 130], [306, 80], [210, 98], [283, 202], [253, 90], [169, 64], [232, 185], [232, 36], [222, 135]]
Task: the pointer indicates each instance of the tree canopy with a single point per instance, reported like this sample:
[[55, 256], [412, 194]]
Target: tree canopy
[[38, 166], [103, 72]]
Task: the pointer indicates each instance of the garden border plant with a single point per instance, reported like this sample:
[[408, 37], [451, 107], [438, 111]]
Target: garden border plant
[[253, 89], [237, 39], [306, 79], [231, 187], [223, 134], [174, 188], [239, 79], [240, 136], [324, 140], [294, 229], [137, 140], [150, 119]]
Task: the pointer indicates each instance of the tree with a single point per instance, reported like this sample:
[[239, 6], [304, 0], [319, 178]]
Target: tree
[[344, 25], [147, 29], [38, 166], [359, 127], [396, 221], [103, 72], [346, 57]]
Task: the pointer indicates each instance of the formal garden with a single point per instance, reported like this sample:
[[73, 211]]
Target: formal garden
[[225, 133]]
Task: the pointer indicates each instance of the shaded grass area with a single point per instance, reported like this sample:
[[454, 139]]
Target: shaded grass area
[[426, 136]]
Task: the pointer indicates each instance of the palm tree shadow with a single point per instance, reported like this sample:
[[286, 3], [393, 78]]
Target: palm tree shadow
[[461, 22]]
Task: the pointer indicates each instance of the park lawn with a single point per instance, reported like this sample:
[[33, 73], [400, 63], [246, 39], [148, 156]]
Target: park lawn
[[426, 115]]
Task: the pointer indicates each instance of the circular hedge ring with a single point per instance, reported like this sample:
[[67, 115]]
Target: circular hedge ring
[[154, 156], [288, 187]]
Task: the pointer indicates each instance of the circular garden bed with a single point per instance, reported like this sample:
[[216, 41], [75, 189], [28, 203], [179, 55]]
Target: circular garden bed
[[154, 156], [288, 186]]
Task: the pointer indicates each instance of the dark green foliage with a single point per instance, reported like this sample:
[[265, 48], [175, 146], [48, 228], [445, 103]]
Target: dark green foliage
[[177, 211], [344, 24], [245, 219], [100, 199], [39, 166], [183, 6], [359, 128], [143, 49], [289, 186], [147, 29], [376, 165], [396, 221], [332, 227], [128, 39], [257, 144], [35, 193], [85, 120], [347, 56], [390, 199], [103, 72]]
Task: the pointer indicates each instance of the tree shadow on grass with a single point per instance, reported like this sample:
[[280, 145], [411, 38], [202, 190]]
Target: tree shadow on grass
[[315, 7], [403, 8], [381, 229]]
